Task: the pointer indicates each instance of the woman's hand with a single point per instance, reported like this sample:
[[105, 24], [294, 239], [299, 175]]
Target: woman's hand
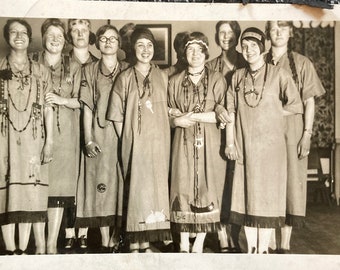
[[304, 145], [175, 112], [52, 98], [92, 149], [222, 115], [231, 152], [46, 155], [184, 121]]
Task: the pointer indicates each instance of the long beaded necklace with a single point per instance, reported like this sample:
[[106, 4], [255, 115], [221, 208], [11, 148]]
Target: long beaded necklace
[[253, 91], [58, 90], [36, 112], [148, 104], [23, 81], [111, 77], [198, 137]]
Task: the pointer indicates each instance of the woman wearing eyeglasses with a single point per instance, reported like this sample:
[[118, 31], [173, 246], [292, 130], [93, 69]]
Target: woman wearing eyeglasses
[[99, 202]]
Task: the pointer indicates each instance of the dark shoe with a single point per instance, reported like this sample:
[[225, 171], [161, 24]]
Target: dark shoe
[[20, 252], [230, 250], [114, 249], [70, 243], [169, 248], [272, 251], [283, 251], [145, 250], [103, 249], [9, 252], [82, 241]]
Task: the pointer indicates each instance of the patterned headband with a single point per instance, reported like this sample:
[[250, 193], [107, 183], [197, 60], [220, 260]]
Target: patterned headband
[[196, 41], [253, 35]]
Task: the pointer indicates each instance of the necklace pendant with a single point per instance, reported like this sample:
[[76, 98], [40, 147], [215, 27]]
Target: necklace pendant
[[199, 142], [148, 105], [19, 141]]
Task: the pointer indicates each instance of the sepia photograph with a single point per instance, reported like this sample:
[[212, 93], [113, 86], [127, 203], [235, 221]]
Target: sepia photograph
[[169, 135]]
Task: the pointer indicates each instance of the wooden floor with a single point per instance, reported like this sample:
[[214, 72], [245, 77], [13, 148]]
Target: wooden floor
[[320, 236]]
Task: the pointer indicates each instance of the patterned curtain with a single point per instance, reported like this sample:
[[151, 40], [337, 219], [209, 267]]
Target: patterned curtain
[[318, 45]]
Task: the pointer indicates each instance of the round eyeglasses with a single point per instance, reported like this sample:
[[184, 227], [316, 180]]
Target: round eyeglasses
[[104, 39]]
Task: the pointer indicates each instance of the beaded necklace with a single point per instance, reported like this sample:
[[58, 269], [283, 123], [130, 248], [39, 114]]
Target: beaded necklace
[[148, 104], [110, 76], [220, 68], [36, 110], [58, 90], [198, 136], [253, 90], [23, 81]]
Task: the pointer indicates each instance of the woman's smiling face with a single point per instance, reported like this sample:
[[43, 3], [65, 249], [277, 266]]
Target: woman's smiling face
[[226, 37], [250, 51], [144, 50], [195, 55], [54, 40], [18, 37]]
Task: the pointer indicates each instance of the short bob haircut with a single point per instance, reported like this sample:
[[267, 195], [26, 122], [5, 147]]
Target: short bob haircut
[[235, 27], [52, 22], [179, 40], [139, 33], [279, 23], [22, 22], [72, 22], [200, 39], [255, 34], [103, 29]]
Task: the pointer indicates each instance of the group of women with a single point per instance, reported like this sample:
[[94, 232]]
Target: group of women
[[88, 141]]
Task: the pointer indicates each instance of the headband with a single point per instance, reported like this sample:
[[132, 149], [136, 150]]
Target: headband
[[253, 35], [196, 41]]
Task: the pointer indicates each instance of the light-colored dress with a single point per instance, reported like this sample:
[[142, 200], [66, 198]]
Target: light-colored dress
[[145, 152], [260, 178], [309, 85], [100, 191], [198, 168], [64, 169], [225, 188], [23, 180]]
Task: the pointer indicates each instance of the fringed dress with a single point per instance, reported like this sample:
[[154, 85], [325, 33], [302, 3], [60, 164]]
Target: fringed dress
[[309, 85], [225, 188], [23, 180], [260, 178], [198, 168], [100, 191], [145, 151]]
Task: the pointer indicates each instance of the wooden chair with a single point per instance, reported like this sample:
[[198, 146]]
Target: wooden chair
[[320, 180]]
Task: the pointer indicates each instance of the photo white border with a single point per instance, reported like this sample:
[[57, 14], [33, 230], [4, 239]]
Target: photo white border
[[158, 12]]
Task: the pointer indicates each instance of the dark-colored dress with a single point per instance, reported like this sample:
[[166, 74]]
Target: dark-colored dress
[[309, 85], [100, 191], [198, 169], [225, 188], [23, 180], [64, 169], [260, 178], [145, 152]]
